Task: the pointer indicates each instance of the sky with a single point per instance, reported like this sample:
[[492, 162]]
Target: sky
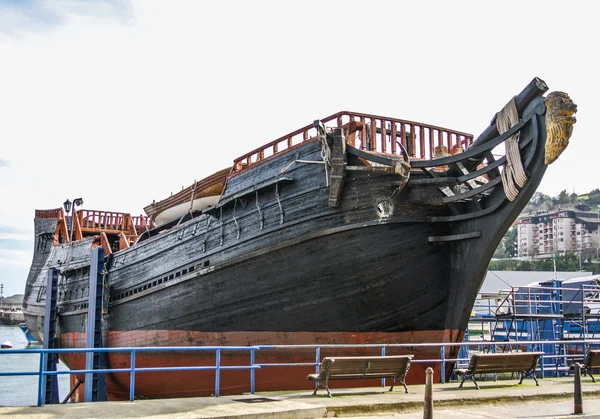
[[121, 103]]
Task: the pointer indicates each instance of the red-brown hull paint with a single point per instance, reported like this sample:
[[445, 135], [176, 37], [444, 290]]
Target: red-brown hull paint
[[202, 383]]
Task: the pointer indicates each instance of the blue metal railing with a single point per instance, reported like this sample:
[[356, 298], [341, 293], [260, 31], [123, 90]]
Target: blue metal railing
[[132, 370], [253, 365]]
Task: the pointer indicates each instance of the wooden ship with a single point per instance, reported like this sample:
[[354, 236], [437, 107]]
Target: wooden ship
[[355, 229]]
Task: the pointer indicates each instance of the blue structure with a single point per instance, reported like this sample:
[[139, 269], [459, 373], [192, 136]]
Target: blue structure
[[550, 310]]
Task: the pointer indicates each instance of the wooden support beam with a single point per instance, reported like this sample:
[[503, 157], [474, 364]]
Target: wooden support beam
[[105, 243], [123, 241], [61, 229], [338, 168], [76, 226]]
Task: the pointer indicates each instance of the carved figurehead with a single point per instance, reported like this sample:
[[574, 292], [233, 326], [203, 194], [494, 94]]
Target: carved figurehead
[[559, 124]]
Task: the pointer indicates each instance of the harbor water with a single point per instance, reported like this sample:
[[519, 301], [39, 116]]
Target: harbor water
[[23, 390]]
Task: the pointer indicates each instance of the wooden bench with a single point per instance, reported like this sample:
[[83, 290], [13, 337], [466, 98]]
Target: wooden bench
[[519, 362], [362, 367], [592, 361]]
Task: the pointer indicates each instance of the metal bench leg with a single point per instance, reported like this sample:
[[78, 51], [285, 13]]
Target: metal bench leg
[[393, 383], [591, 376], [327, 388], [405, 388], [476, 385], [522, 374], [464, 377], [316, 388]]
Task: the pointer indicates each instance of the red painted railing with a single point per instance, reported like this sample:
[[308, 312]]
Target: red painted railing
[[53, 213], [373, 133], [93, 221]]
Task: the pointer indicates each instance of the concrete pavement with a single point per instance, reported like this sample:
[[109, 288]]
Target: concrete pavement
[[356, 402]]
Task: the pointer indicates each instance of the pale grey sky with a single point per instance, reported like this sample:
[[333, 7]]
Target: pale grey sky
[[122, 103]]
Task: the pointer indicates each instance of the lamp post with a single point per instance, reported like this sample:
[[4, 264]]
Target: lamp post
[[77, 202]]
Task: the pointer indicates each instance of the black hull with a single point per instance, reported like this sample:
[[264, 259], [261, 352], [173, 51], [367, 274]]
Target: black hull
[[313, 285]]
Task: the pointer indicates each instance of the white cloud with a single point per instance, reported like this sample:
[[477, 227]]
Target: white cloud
[[22, 17], [15, 237], [18, 258]]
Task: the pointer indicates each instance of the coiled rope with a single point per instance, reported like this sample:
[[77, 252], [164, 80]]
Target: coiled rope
[[513, 175]]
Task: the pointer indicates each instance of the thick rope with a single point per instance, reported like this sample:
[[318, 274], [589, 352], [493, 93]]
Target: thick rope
[[325, 152], [513, 175]]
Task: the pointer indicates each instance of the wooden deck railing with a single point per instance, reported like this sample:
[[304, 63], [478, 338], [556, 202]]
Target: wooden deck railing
[[94, 221], [50, 214], [375, 133]]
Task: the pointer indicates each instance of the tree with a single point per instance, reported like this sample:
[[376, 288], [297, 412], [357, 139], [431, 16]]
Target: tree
[[563, 197], [509, 240], [539, 198], [506, 248]]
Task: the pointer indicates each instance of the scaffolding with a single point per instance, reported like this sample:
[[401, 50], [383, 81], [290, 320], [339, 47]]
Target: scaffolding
[[550, 310]]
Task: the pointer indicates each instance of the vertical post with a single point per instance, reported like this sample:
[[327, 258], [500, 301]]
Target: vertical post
[[218, 372], [252, 378], [318, 359], [428, 405], [583, 320], [41, 382], [383, 354], [95, 386], [514, 303], [132, 377], [443, 372], [317, 363], [578, 406], [50, 382]]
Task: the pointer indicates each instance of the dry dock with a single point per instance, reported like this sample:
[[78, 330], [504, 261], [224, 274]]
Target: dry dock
[[345, 402]]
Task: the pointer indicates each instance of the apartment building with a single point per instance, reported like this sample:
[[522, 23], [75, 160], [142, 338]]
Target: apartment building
[[557, 232]]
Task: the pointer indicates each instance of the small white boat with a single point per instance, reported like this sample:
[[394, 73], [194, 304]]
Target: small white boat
[[6, 345]]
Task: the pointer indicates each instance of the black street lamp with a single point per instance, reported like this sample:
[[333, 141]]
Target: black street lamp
[[77, 202], [67, 206]]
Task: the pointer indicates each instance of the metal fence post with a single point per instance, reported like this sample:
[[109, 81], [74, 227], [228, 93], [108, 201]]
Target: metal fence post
[[41, 382], [318, 359], [132, 377], [218, 372], [252, 377], [383, 354], [443, 372], [317, 363]]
